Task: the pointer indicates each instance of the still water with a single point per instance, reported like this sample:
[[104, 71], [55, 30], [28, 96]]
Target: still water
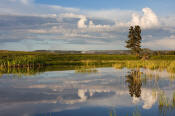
[[104, 92]]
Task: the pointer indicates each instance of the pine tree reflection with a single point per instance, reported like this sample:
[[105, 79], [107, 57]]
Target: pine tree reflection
[[133, 79]]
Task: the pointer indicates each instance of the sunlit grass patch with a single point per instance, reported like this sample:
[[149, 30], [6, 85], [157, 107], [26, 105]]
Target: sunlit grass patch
[[148, 64]]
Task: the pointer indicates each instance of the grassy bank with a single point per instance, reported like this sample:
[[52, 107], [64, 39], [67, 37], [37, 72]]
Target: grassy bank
[[36, 59], [32, 59]]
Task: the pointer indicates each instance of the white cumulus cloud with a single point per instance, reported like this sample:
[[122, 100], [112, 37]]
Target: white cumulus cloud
[[148, 20], [80, 23]]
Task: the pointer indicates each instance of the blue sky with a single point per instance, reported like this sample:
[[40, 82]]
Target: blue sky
[[160, 6], [85, 24], [97, 4]]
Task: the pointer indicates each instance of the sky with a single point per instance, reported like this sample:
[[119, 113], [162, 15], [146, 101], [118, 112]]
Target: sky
[[29, 25]]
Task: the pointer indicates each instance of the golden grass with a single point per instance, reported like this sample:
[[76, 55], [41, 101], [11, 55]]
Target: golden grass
[[168, 65]]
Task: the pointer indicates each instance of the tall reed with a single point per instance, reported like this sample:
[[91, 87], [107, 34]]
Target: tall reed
[[22, 61]]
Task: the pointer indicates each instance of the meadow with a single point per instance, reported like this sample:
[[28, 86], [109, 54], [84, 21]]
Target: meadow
[[31, 61]]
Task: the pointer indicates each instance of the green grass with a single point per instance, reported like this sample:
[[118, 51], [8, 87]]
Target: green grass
[[37, 59], [163, 57], [21, 61], [16, 58], [78, 58]]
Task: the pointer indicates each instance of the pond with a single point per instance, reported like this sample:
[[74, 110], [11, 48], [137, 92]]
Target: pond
[[103, 92]]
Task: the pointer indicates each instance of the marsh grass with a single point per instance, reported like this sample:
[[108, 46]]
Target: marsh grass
[[22, 61], [112, 113], [21, 64], [136, 112], [163, 100], [168, 65], [87, 67], [166, 104]]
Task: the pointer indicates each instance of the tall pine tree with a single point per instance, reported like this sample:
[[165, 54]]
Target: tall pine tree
[[134, 41]]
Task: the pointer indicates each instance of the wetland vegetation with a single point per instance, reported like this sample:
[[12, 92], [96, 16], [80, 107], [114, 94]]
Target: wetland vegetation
[[30, 62]]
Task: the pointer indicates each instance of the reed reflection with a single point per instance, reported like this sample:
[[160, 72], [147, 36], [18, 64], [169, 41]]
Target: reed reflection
[[27, 71], [87, 67]]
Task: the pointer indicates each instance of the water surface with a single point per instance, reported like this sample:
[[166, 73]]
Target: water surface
[[104, 92]]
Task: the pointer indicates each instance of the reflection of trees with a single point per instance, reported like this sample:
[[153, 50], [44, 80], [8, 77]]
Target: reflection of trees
[[134, 83]]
